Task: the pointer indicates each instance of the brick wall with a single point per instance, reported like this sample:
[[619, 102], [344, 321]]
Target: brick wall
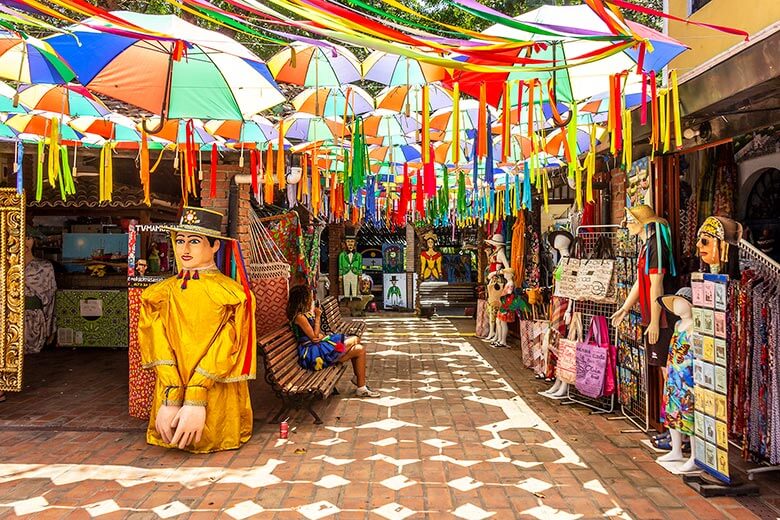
[[221, 202], [335, 238]]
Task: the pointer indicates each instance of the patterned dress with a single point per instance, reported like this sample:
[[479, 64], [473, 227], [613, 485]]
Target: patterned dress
[[678, 393], [321, 354], [39, 290]]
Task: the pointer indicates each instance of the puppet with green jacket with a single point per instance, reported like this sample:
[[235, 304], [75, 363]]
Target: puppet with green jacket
[[350, 269]]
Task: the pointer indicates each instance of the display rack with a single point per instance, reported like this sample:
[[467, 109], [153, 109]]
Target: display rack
[[588, 309], [751, 256]]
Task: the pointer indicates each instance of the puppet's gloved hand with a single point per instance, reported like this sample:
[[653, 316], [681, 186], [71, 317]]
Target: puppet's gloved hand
[[164, 421], [189, 423]]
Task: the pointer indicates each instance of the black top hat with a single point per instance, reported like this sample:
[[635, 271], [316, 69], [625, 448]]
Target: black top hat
[[394, 278], [200, 221]]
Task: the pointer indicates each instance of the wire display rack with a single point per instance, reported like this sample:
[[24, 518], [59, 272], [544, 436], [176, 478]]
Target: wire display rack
[[590, 235]]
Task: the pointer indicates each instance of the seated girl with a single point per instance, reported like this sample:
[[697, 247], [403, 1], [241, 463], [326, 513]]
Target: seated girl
[[316, 350]]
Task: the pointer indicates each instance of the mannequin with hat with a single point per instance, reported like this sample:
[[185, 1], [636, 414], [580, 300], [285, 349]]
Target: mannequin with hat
[[394, 297], [713, 241], [350, 268], [679, 388], [430, 259], [560, 310], [197, 330], [497, 262]]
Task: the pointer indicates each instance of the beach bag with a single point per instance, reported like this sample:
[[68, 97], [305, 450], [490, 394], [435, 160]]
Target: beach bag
[[600, 281], [595, 362], [316, 356], [566, 369]]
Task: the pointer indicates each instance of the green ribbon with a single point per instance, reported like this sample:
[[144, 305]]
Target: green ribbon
[[39, 173]]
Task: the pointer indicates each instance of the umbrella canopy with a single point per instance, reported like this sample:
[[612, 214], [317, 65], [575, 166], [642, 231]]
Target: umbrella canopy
[[314, 66], [71, 100], [392, 69], [385, 123], [334, 101], [112, 127], [555, 139], [6, 132], [395, 154], [306, 127], [408, 98], [31, 60], [258, 130], [443, 152], [216, 78], [40, 125], [175, 131], [442, 120], [7, 104], [579, 82]]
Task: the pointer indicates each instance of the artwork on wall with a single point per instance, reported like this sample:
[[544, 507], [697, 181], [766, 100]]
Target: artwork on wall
[[392, 258]]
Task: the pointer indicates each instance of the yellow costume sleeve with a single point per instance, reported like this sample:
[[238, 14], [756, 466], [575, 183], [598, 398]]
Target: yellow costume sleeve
[[156, 351], [231, 356]]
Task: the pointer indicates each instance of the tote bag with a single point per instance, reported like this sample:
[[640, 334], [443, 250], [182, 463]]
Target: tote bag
[[566, 370], [595, 362]]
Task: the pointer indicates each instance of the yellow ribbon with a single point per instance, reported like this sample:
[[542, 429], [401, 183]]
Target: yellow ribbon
[[676, 110]]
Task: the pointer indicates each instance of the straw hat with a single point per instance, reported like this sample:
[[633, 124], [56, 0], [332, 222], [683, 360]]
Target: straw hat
[[667, 301], [496, 240], [199, 221], [644, 214]]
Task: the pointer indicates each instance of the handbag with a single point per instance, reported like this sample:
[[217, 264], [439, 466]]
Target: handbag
[[596, 277], [596, 362], [566, 370]]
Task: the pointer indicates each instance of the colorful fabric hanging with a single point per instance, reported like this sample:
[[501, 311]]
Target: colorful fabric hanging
[[316, 195], [18, 162], [430, 175], [676, 110], [268, 185], [54, 151], [280, 173], [506, 116], [527, 196], [39, 173], [482, 122], [143, 169], [253, 171], [456, 123], [489, 178], [67, 187], [213, 176], [462, 208], [107, 172], [427, 156], [359, 158], [419, 199]]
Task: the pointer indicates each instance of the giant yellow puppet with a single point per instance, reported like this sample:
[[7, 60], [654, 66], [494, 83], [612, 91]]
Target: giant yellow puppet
[[197, 331]]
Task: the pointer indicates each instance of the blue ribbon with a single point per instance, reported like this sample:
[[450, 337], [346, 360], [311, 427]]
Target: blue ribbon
[[18, 159]]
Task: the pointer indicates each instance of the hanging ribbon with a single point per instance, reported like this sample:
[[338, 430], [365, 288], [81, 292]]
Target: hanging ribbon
[[67, 187], [426, 125], [54, 151], [482, 121], [268, 180], [106, 172], [506, 116], [462, 194], [456, 123], [654, 109], [527, 197], [316, 196], [531, 87], [213, 172], [280, 173], [39, 173], [663, 125], [489, 177], [628, 157], [676, 111], [144, 167], [253, 171], [643, 112], [189, 149], [18, 162], [419, 199], [430, 176]]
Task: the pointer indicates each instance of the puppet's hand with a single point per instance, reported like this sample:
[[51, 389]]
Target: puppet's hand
[[189, 423], [164, 421]]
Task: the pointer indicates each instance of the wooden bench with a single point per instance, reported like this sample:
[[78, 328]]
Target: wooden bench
[[434, 296], [332, 320], [294, 385]]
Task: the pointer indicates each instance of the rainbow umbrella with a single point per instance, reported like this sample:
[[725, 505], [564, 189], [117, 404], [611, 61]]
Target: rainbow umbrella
[[8, 104], [307, 127], [314, 66], [392, 69], [555, 139], [41, 124], [395, 154], [443, 152], [72, 100], [6, 132], [30, 60], [175, 131], [408, 98], [442, 120], [196, 74], [334, 101], [385, 123], [257, 130]]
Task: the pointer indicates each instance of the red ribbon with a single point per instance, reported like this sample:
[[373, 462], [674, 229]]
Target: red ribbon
[[253, 170], [213, 183], [643, 114], [420, 199]]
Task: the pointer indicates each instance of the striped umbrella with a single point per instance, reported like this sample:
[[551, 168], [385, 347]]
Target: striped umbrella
[[392, 70], [314, 66], [334, 101], [72, 100], [30, 60]]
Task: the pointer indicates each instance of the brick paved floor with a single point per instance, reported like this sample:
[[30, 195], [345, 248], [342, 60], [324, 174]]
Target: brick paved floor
[[459, 433]]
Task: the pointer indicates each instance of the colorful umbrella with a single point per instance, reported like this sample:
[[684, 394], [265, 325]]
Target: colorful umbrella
[[211, 76], [71, 100], [306, 127], [9, 102], [555, 144], [175, 131], [349, 100], [392, 70], [6, 132], [578, 82], [31, 60], [40, 125], [385, 123], [314, 66], [442, 120], [443, 152], [395, 154], [258, 130], [408, 98]]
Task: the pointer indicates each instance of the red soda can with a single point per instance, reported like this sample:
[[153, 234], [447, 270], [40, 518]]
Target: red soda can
[[284, 428]]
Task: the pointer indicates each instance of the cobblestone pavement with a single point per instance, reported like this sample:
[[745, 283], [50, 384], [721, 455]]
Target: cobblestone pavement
[[451, 437]]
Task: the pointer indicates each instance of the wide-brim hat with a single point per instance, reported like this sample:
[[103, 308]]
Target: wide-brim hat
[[644, 214], [199, 221], [496, 240], [722, 228], [557, 233], [667, 301]]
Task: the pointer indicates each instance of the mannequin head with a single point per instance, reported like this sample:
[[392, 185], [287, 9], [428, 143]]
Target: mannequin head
[[496, 242], [561, 241], [680, 303], [196, 239], [713, 240], [637, 219]]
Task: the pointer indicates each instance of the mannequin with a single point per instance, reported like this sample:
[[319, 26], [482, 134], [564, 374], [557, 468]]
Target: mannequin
[[678, 391], [713, 240], [197, 331], [497, 262], [430, 259], [39, 291], [561, 241], [350, 269], [506, 312]]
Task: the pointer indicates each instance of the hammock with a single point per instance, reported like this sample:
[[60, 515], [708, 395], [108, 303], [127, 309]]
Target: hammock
[[269, 275]]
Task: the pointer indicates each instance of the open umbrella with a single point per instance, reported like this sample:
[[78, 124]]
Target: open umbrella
[[306, 127], [30, 60], [579, 82], [555, 139], [392, 69], [408, 98], [334, 101], [175, 131], [71, 100], [40, 125], [210, 76], [385, 123], [314, 66], [395, 154], [257, 130], [7, 104]]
